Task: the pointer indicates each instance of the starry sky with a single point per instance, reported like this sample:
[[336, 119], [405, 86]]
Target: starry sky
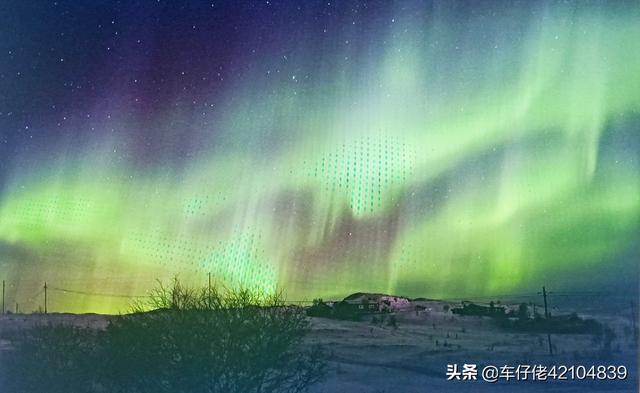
[[421, 148]]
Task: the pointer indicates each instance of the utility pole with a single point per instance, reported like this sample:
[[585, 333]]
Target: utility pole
[[45, 297], [546, 316], [16, 308], [2, 297]]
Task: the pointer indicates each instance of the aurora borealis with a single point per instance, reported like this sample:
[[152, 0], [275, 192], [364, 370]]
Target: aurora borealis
[[415, 148]]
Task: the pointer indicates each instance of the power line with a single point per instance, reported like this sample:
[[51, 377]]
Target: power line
[[73, 291], [17, 283]]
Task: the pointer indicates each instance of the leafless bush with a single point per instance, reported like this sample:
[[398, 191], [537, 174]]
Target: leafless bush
[[210, 340], [180, 340]]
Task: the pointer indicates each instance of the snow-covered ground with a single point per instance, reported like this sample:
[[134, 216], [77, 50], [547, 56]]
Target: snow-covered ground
[[413, 357], [376, 357]]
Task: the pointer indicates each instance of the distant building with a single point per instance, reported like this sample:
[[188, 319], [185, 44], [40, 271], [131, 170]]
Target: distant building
[[357, 305], [482, 311], [378, 301]]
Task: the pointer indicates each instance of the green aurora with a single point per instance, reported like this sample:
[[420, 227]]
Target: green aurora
[[442, 156]]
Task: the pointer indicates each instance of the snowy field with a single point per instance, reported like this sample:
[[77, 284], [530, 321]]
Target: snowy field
[[413, 357], [377, 357]]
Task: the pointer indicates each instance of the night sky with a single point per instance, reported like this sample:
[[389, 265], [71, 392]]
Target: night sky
[[322, 148]]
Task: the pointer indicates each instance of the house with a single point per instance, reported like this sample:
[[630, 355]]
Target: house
[[357, 305], [394, 303], [377, 302], [341, 309], [469, 308]]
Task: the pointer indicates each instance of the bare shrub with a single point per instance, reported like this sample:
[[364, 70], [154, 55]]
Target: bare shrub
[[180, 340], [207, 340]]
